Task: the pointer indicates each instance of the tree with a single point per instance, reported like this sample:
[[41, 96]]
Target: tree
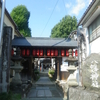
[[64, 27], [21, 15]]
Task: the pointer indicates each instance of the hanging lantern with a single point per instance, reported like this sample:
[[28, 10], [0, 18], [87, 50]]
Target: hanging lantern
[[34, 52], [41, 52], [56, 52], [12, 52], [23, 52], [67, 53], [52, 52], [38, 52], [62, 52], [48, 52], [27, 52], [76, 53]]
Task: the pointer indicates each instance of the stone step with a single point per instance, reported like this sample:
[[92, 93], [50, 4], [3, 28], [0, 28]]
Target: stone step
[[47, 84], [42, 99], [43, 74]]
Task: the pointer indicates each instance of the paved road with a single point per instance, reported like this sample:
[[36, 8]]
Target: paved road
[[44, 89]]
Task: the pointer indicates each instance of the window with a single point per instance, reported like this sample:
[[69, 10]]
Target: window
[[93, 29]]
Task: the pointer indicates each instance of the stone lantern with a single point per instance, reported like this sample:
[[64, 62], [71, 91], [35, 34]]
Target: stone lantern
[[71, 68], [71, 81], [17, 67]]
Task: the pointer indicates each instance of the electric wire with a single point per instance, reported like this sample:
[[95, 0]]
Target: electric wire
[[64, 6], [49, 17]]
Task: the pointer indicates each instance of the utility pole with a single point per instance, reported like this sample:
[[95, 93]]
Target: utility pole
[[1, 36], [1, 24]]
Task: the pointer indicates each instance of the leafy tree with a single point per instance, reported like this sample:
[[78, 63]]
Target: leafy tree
[[64, 27], [21, 15]]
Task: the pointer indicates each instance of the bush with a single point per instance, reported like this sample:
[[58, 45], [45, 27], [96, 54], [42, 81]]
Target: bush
[[51, 72], [36, 72], [10, 96]]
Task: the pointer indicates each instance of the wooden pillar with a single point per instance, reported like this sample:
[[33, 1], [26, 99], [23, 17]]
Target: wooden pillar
[[30, 67], [59, 62], [55, 68]]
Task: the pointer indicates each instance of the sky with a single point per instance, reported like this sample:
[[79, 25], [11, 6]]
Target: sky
[[45, 14]]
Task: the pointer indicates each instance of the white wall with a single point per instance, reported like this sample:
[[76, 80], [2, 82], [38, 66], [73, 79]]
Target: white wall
[[95, 46], [63, 59]]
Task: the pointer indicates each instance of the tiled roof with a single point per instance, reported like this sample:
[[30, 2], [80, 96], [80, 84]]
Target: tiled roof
[[89, 7], [44, 42]]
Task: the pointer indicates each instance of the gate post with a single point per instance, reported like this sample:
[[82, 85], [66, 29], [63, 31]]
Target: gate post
[[59, 62], [5, 59]]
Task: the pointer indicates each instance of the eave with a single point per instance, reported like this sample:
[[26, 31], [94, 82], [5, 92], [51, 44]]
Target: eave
[[92, 17], [88, 12]]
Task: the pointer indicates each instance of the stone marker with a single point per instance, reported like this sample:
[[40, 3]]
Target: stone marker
[[91, 72]]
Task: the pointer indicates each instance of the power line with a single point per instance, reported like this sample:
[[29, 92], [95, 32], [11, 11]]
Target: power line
[[64, 6], [49, 17]]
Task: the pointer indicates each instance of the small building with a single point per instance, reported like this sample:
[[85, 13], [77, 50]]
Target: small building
[[90, 21], [8, 21]]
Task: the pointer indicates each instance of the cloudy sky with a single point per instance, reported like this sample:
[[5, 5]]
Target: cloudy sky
[[45, 14]]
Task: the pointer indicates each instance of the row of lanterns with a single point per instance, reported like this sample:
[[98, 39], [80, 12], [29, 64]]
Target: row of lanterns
[[40, 52]]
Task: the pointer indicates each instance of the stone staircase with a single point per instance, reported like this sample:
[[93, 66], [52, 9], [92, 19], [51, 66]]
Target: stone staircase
[[44, 89], [43, 74], [42, 99], [44, 93]]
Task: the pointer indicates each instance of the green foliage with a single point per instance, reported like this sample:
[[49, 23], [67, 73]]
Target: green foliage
[[51, 72], [21, 15], [36, 76], [36, 72], [64, 27], [10, 96]]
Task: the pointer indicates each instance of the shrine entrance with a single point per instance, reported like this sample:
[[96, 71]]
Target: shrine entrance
[[48, 48]]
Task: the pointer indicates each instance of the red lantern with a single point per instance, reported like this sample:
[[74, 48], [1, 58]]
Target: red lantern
[[27, 52], [52, 52], [67, 53], [41, 52], [23, 52], [62, 52], [38, 52], [48, 52], [76, 53], [34, 52], [12, 52], [56, 52]]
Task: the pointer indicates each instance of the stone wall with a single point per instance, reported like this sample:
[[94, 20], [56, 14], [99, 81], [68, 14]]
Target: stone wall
[[91, 72], [80, 93]]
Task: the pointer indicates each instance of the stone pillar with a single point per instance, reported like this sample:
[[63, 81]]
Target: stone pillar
[[5, 59], [39, 64]]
